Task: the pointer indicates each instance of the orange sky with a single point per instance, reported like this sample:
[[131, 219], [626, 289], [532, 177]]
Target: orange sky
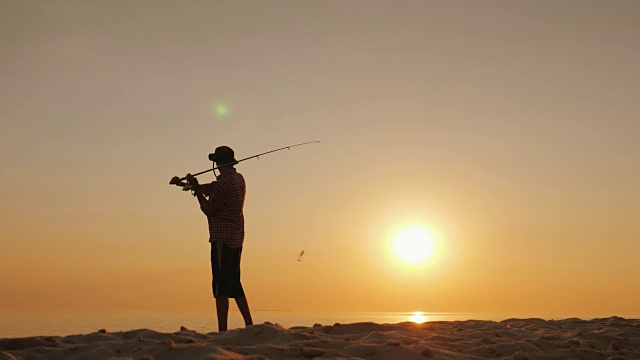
[[510, 129]]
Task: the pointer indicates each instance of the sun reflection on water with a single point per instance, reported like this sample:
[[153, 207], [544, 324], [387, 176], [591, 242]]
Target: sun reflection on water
[[418, 317]]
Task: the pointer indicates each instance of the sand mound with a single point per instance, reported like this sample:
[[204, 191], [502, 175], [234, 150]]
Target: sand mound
[[609, 338]]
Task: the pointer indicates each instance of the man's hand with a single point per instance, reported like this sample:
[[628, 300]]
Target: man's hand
[[192, 180], [174, 181]]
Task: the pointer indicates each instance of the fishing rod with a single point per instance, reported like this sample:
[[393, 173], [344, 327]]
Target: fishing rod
[[188, 187]]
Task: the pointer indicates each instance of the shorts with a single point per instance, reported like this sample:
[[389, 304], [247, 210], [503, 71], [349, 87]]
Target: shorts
[[225, 270]]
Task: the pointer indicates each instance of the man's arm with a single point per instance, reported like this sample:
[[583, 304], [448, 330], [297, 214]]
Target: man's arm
[[211, 206], [207, 189]]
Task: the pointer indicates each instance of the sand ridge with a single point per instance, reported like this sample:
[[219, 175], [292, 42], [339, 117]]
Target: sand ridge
[[604, 338]]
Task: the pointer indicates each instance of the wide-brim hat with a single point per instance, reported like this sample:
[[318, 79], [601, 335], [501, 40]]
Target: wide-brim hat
[[224, 156]]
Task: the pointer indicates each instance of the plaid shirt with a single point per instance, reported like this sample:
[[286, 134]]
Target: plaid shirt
[[224, 208]]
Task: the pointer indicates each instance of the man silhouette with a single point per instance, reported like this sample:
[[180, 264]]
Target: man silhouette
[[222, 202]]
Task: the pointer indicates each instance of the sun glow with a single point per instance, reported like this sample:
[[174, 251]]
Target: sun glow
[[418, 317], [414, 245]]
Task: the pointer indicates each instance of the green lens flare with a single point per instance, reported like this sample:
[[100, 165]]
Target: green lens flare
[[220, 110]]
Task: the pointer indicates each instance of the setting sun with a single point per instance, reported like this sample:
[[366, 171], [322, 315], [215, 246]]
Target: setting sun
[[418, 317], [414, 245]]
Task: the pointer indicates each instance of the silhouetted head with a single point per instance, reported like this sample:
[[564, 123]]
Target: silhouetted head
[[223, 156]]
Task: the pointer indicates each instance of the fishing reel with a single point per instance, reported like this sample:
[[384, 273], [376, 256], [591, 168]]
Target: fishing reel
[[187, 187]]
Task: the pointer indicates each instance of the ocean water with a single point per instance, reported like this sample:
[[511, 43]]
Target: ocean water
[[14, 325]]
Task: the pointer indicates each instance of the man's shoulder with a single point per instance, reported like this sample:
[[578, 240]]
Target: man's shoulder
[[231, 179], [238, 178], [233, 175]]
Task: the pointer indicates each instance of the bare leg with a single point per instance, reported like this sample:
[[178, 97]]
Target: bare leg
[[243, 306], [222, 308]]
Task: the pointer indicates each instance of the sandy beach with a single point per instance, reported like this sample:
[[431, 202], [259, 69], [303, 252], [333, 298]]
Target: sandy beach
[[603, 338]]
